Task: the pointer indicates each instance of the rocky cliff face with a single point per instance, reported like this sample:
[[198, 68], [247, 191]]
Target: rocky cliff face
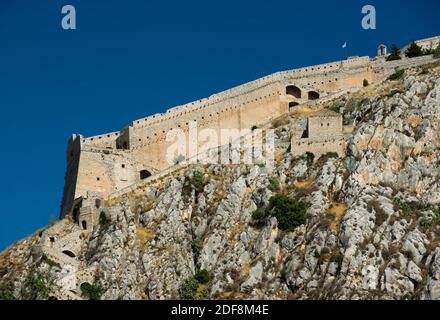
[[372, 228]]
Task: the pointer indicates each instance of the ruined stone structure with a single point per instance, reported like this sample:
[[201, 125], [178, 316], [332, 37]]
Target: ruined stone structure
[[100, 166], [322, 133]]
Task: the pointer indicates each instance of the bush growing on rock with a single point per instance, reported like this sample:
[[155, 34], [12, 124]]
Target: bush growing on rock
[[427, 223], [336, 107], [197, 181], [274, 184], [38, 285], [395, 54], [414, 50], [259, 214], [310, 158], [197, 246], [92, 291], [7, 291], [104, 221], [188, 289], [202, 276], [329, 155], [202, 294], [397, 75], [406, 209], [290, 213]]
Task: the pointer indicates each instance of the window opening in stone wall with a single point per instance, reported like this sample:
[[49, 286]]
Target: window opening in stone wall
[[293, 91], [144, 174], [313, 95]]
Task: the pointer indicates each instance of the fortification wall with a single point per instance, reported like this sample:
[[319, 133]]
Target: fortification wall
[[241, 91], [112, 162], [318, 147], [325, 126], [144, 141], [107, 140], [71, 177], [105, 171], [149, 146]]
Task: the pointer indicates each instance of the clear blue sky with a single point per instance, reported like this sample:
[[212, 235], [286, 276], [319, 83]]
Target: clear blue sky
[[129, 59]]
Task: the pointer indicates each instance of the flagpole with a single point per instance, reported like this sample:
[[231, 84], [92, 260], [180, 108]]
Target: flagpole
[[344, 46]]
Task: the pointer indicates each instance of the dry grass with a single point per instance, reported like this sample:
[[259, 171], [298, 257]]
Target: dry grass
[[279, 156], [144, 235], [305, 111], [246, 268], [337, 211], [305, 184]]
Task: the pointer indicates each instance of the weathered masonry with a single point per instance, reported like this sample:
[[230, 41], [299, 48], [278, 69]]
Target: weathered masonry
[[105, 164], [322, 133]]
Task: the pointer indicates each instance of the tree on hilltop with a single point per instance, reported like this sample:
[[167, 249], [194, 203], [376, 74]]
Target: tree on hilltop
[[395, 53], [414, 50]]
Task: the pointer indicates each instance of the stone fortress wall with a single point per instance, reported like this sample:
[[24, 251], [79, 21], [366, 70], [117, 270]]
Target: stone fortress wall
[[428, 43], [323, 132], [108, 163]]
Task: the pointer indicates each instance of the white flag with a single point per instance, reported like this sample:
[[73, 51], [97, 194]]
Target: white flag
[[344, 45]]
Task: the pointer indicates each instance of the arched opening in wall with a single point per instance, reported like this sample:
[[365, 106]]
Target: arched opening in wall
[[293, 91], [69, 253], [293, 104], [145, 174], [313, 95], [84, 225]]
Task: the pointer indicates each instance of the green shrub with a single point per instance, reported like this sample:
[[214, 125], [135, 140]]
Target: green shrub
[[366, 83], [310, 158], [103, 220], [202, 294], [274, 184], [196, 246], [202, 276], [38, 285], [92, 291], [198, 181], [336, 107], [395, 54], [188, 289], [7, 292], [430, 222], [254, 127], [414, 50], [397, 75], [405, 207], [259, 214], [290, 213], [329, 155]]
